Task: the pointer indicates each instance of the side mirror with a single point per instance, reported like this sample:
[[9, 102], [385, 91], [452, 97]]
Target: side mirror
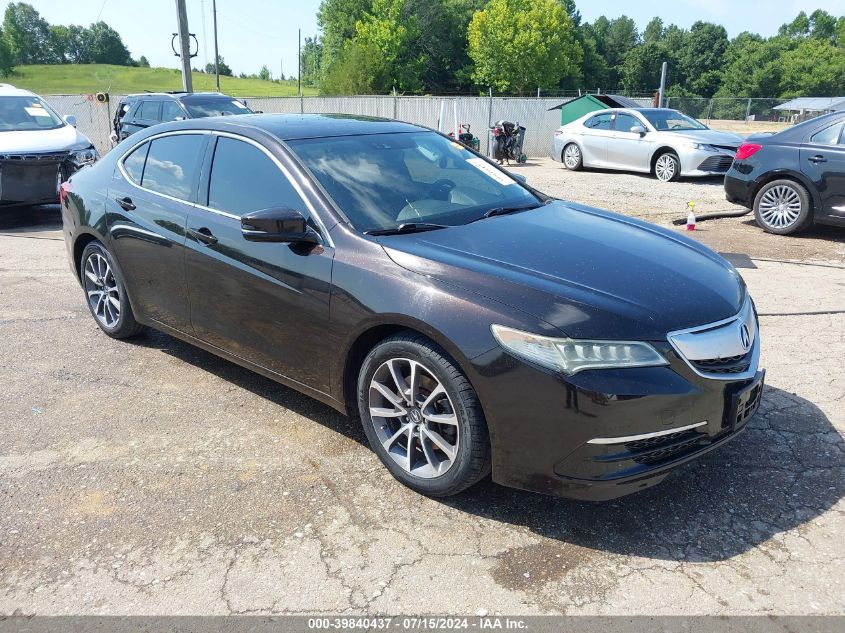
[[70, 120], [520, 177], [638, 129], [278, 224]]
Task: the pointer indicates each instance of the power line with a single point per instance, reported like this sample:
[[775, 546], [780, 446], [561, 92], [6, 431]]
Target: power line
[[102, 6]]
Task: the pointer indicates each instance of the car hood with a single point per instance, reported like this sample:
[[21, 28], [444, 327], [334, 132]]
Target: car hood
[[60, 139], [590, 273], [713, 137]]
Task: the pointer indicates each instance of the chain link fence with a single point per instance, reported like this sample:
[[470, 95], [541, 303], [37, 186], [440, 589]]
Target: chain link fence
[[94, 119]]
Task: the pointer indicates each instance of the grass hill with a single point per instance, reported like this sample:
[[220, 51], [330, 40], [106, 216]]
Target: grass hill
[[91, 78]]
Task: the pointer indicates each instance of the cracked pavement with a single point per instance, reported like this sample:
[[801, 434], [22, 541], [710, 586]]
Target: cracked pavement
[[150, 477]]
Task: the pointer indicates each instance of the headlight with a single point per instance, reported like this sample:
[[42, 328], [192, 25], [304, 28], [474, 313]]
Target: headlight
[[571, 356], [82, 157], [705, 147]]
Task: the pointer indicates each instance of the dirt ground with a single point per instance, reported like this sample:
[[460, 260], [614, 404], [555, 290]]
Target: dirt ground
[[150, 477]]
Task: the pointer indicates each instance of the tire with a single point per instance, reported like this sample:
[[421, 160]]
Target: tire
[[571, 157], [783, 207], [105, 293], [450, 444], [667, 167]]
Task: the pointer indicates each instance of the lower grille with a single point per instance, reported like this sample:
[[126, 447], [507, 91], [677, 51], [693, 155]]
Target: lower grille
[[716, 163], [728, 365], [655, 450]]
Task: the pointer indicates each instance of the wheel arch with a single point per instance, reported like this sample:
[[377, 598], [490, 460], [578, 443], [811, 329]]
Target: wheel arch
[[82, 240], [366, 339], [663, 149]]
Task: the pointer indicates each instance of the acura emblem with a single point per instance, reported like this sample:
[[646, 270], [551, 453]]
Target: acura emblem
[[745, 336]]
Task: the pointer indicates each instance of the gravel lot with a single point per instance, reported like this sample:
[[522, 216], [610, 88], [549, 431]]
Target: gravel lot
[[153, 478]]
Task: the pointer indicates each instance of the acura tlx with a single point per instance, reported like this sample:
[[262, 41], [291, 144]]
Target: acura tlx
[[472, 323]]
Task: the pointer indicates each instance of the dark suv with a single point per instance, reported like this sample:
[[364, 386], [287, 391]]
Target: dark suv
[[136, 112]]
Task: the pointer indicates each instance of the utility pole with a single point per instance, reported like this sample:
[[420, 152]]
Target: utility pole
[[216, 56], [299, 59], [664, 73], [184, 45]]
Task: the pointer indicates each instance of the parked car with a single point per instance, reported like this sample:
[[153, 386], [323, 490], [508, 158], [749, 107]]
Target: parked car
[[38, 149], [793, 178], [470, 321], [660, 141], [140, 111]]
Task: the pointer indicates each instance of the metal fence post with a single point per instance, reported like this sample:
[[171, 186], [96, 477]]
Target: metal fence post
[[489, 117], [709, 111], [668, 100], [301, 104], [748, 111]]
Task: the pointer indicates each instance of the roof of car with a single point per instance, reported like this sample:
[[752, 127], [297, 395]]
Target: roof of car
[[8, 90], [289, 127], [185, 96]]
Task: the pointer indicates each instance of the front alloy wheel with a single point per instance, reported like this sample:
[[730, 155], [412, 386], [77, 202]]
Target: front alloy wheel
[[667, 167], [422, 417]]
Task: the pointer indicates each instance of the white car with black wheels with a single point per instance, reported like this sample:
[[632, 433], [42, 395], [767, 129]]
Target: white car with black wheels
[[38, 149], [659, 141]]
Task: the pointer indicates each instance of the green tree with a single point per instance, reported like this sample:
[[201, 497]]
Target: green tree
[[358, 70], [27, 34], [519, 45], [6, 60], [814, 67], [823, 26], [312, 53], [337, 20], [264, 74], [143, 62], [389, 30], [107, 47], [222, 66], [642, 67], [703, 57], [621, 38], [654, 31]]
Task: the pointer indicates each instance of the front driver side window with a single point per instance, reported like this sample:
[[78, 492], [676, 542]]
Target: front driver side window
[[624, 122], [244, 179]]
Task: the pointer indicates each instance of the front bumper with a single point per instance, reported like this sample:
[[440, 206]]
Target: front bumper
[[602, 434], [695, 162], [27, 179]]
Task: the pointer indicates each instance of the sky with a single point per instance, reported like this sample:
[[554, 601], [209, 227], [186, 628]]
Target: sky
[[253, 33]]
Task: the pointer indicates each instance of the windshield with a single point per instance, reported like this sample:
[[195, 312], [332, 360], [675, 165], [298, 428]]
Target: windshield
[[671, 121], [22, 114], [382, 181], [200, 108]]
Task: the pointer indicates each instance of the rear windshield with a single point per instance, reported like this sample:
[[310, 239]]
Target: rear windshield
[[201, 108], [21, 114]]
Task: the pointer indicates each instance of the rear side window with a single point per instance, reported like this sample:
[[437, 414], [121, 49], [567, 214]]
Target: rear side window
[[244, 179], [172, 164], [148, 111], [170, 111], [828, 136], [600, 122], [134, 163]]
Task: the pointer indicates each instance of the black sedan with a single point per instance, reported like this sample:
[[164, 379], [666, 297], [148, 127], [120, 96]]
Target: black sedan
[[793, 178], [473, 324]]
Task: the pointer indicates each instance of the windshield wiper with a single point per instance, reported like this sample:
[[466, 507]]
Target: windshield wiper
[[504, 211], [408, 227]]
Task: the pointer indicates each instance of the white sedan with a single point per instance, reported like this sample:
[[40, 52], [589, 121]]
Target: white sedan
[[660, 141]]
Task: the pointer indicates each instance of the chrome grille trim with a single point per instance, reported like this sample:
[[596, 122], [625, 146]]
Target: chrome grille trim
[[714, 344], [643, 436]]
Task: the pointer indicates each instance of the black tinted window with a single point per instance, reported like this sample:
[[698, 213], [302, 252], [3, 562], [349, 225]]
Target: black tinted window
[[134, 163], [170, 111], [624, 122], [172, 164], [244, 179], [828, 136], [148, 111], [600, 122]]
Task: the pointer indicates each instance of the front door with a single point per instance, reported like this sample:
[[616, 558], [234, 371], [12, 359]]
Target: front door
[[823, 161], [627, 149], [150, 195], [265, 302]]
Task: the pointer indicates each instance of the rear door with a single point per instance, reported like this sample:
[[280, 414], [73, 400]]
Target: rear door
[[597, 130], [150, 195], [626, 149], [265, 302], [823, 161]]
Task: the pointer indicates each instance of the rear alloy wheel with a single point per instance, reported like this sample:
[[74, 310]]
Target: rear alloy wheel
[[782, 207], [572, 158], [106, 293], [667, 167], [422, 417]]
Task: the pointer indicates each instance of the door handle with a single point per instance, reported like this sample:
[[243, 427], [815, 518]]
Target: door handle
[[204, 235], [125, 203], [818, 158]]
